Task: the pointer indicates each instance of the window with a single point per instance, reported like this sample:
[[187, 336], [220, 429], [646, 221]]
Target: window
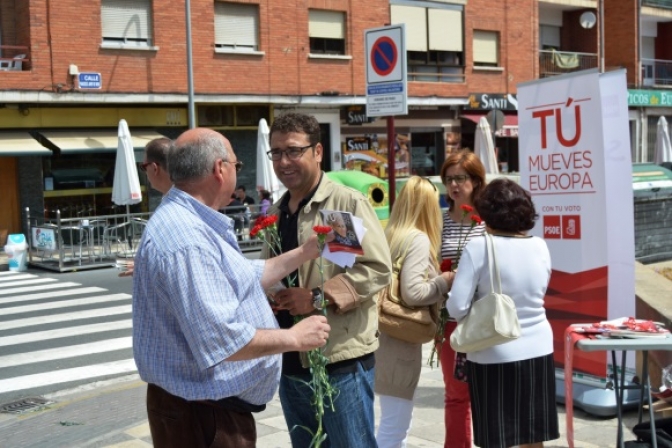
[[549, 37], [232, 115], [236, 27], [326, 30], [126, 23], [486, 49], [434, 42]]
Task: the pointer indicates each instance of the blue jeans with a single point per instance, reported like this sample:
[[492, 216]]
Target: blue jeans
[[351, 423]]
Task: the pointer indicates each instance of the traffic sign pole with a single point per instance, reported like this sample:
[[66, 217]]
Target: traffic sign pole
[[391, 181]]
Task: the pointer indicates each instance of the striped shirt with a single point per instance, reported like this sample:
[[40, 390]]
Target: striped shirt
[[456, 235], [196, 301]]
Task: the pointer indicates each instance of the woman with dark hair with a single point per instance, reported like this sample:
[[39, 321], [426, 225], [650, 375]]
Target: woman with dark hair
[[463, 175], [265, 201], [522, 413]]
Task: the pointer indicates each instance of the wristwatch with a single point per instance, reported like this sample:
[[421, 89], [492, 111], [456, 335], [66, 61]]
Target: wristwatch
[[317, 299]]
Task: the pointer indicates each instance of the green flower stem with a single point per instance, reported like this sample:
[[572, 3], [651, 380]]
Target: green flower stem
[[323, 392]]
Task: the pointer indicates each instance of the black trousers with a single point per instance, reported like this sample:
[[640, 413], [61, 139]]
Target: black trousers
[[178, 423]]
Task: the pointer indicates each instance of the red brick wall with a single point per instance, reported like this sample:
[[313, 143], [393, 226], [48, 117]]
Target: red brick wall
[[284, 69], [620, 36]]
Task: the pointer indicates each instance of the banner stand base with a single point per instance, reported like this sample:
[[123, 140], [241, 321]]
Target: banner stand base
[[595, 395]]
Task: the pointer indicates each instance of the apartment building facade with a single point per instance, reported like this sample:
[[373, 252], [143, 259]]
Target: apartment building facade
[[70, 70]]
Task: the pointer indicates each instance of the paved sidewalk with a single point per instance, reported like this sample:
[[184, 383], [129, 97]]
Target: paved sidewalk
[[113, 416]]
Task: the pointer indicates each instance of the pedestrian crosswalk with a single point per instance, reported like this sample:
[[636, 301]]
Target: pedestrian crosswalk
[[56, 334]]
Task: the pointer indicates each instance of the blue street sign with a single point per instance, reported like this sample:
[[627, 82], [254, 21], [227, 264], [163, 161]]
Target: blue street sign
[[90, 81]]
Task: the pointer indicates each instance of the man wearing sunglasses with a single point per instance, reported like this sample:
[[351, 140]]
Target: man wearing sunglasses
[[155, 165], [296, 153], [204, 337]]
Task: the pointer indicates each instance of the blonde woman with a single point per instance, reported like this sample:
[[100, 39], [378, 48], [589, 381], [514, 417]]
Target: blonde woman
[[415, 223]]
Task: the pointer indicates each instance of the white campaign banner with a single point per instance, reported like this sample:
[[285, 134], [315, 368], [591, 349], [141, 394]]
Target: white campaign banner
[[575, 161]]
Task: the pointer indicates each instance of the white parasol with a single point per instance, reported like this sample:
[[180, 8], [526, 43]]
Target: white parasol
[[126, 186], [266, 178], [663, 146], [484, 148]]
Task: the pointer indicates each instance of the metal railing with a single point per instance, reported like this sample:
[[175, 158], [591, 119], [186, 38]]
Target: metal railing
[[434, 73], [552, 62], [665, 4], [656, 72], [86, 242]]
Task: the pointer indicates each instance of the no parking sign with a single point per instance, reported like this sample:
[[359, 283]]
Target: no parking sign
[[386, 92]]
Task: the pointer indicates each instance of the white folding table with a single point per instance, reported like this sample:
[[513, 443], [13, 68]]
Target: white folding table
[[642, 344]]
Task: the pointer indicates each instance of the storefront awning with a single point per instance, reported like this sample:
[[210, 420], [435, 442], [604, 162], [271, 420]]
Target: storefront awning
[[20, 144], [83, 142], [509, 129]]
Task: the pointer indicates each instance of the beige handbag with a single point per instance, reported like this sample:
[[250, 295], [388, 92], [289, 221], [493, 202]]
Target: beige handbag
[[492, 320], [400, 320]]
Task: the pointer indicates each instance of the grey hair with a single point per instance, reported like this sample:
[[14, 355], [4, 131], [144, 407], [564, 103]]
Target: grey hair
[[194, 158]]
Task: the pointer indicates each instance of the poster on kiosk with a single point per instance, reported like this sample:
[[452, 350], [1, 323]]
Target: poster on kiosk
[[575, 160]]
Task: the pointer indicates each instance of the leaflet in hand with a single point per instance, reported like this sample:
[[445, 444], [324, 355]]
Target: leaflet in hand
[[348, 231]]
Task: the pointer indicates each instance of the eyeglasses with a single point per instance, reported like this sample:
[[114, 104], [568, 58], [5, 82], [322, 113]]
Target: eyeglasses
[[459, 179], [293, 153], [144, 165], [238, 165]]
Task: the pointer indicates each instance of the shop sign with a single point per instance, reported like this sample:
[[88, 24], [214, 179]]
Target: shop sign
[[492, 101], [358, 144], [356, 115], [650, 98]]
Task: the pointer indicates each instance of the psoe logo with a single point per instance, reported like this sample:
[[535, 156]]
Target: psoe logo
[[552, 230], [571, 227]]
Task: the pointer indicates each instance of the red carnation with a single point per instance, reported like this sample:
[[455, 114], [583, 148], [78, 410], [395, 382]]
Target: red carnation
[[255, 230], [476, 219], [446, 265], [322, 230], [467, 208]]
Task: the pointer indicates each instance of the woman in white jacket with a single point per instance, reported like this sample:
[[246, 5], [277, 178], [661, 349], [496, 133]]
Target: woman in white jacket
[[512, 385]]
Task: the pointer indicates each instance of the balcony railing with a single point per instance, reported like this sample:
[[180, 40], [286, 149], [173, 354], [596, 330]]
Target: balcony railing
[[656, 72], [667, 4], [552, 62], [14, 58]]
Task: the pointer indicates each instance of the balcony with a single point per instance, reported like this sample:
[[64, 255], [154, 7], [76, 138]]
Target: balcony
[[552, 62], [656, 72], [14, 58]]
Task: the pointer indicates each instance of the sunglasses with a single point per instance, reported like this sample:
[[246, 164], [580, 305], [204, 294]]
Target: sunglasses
[[144, 165]]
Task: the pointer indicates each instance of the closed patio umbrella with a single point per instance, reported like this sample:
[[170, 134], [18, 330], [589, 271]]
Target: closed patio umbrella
[[126, 186], [484, 147], [663, 146], [266, 178]]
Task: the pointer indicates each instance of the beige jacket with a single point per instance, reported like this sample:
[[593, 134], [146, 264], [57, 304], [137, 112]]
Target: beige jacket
[[398, 362], [352, 291]]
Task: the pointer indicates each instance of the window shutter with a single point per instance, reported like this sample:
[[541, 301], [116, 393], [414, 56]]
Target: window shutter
[[549, 36], [326, 24], [485, 47], [237, 25], [126, 19], [415, 19], [445, 29]]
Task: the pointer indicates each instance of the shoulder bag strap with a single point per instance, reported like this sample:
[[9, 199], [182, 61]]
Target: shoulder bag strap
[[495, 280]]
